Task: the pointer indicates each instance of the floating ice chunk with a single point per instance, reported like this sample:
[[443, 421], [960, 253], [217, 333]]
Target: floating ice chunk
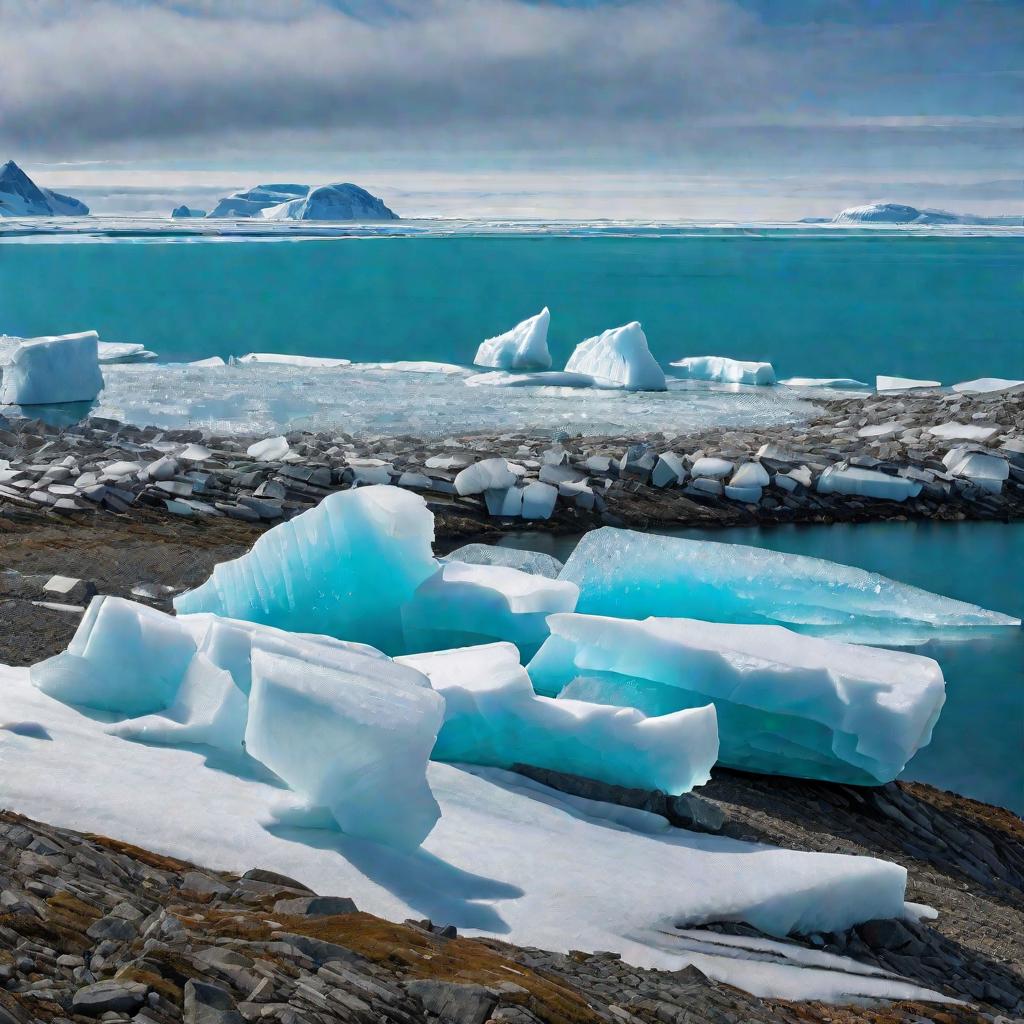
[[543, 379], [723, 370], [344, 569], [123, 352], [290, 360], [750, 474], [866, 482], [985, 470], [539, 500], [525, 347], [668, 470], [464, 604], [493, 717], [786, 703], [824, 382], [903, 383], [712, 467], [353, 738], [491, 554], [52, 369], [212, 361], [984, 385], [124, 657], [633, 575], [963, 431], [488, 474], [619, 358], [272, 449]]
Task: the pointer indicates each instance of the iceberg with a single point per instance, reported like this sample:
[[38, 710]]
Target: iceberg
[[344, 569], [900, 213], [184, 212], [904, 383], [618, 358], [494, 717], [868, 483], [251, 202], [123, 352], [464, 604], [50, 370], [20, 196], [525, 347], [352, 738], [290, 360], [636, 575], [491, 554], [340, 201], [722, 370], [787, 704]]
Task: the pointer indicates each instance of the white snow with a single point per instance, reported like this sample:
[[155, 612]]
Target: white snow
[[493, 717], [903, 383], [963, 431], [723, 370], [619, 889], [525, 347], [486, 475], [352, 737], [618, 358], [343, 568], [866, 482], [625, 573], [984, 385], [20, 196], [52, 369], [291, 360], [465, 603], [787, 704]]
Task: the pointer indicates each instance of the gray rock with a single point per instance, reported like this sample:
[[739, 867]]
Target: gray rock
[[209, 1004], [109, 996], [274, 878], [452, 1003], [316, 906]]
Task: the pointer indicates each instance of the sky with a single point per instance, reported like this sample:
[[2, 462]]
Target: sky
[[702, 109]]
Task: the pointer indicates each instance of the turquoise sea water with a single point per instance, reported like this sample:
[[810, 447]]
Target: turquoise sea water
[[978, 745], [849, 305]]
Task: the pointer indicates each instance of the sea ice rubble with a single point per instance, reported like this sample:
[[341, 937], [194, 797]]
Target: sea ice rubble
[[787, 704], [343, 568], [867, 482], [353, 737], [636, 575], [463, 604], [903, 383], [494, 717], [525, 347], [618, 358], [52, 369], [723, 370]]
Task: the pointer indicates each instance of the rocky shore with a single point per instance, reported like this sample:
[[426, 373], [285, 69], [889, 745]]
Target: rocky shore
[[925, 455]]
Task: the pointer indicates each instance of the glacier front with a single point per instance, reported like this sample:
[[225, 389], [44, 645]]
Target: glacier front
[[787, 704], [634, 575], [494, 717]]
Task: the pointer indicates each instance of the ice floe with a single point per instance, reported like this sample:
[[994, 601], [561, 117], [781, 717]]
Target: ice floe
[[787, 704], [291, 360], [494, 717], [986, 385], [866, 482], [723, 370], [51, 369], [618, 358], [636, 575], [525, 347], [824, 382]]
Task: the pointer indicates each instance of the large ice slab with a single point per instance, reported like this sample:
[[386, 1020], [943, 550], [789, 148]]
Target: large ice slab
[[494, 717], [634, 575], [619, 889], [868, 483], [986, 385], [787, 704], [824, 382], [344, 568], [353, 737], [984, 469], [52, 369], [883, 383], [464, 604], [525, 347], [723, 370], [618, 358]]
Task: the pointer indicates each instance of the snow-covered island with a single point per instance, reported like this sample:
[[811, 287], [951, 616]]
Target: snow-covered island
[[334, 202], [20, 196]]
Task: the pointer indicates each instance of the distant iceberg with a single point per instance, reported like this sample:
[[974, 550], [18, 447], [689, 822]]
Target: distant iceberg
[[340, 201], [251, 202], [186, 211], [525, 347], [722, 370], [900, 213], [20, 196]]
